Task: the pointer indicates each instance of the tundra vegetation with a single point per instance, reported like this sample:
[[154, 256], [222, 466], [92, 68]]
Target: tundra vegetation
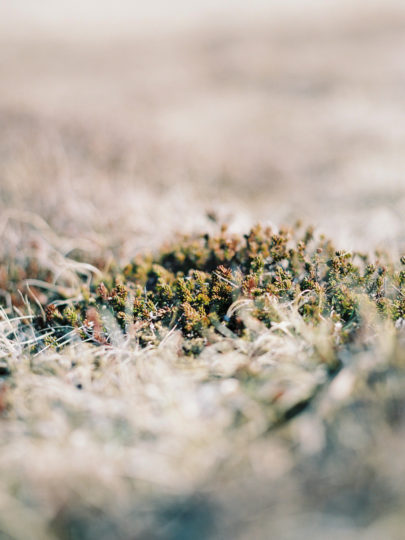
[[210, 287], [140, 393], [222, 383]]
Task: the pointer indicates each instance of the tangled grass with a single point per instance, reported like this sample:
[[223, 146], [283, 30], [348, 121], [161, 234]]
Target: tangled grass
[[133, 400]]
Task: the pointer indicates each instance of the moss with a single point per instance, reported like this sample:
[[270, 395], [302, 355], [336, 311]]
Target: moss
[[192, 283]]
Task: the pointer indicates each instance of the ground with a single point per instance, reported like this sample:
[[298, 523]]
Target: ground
[[121, 129]]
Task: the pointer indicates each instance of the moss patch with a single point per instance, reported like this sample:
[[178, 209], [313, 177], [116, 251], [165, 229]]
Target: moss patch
[[204, 286]]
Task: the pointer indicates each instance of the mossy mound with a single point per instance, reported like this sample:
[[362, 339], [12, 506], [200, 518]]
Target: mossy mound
[[201, 284]]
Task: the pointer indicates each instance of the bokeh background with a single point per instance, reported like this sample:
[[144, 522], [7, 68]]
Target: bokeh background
[[130, 120]]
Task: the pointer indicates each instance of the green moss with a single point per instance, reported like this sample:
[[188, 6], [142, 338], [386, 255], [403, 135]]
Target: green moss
[[191, 285]]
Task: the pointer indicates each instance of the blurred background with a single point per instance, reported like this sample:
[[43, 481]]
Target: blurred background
[[123, 122]]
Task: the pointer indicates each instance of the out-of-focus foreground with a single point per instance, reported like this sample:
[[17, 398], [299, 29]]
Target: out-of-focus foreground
[[122, 124]]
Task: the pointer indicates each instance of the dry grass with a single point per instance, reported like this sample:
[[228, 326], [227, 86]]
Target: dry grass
[[112, 141]]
